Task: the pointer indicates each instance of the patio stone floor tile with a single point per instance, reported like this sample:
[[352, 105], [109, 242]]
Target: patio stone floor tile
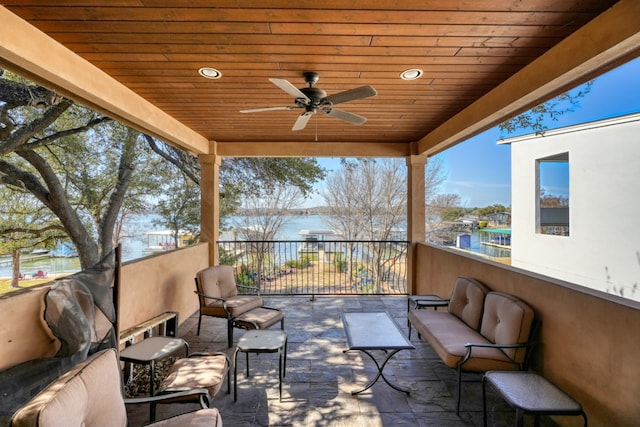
[[320, 376]]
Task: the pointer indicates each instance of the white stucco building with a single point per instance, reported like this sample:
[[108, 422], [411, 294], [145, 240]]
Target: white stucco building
[[602, 163]]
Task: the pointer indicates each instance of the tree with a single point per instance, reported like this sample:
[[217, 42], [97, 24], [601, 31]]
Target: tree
[[92, 172], [240, 177], [536, 118], [366, 200], [434, 177], [179, 208], [264, 215], [24, 224]]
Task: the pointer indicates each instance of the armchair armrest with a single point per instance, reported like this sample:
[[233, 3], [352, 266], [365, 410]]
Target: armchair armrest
[[202, 393], [200, 294]]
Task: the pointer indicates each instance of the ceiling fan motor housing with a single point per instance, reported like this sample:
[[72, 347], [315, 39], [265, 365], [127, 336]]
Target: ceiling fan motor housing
[[314, 94]]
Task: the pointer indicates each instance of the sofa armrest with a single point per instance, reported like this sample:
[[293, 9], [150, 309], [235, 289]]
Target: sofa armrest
[[470, 347]]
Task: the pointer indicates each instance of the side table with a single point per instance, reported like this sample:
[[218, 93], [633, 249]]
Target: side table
[[423, 301], [149, 351], [261, 341], [529, 393]]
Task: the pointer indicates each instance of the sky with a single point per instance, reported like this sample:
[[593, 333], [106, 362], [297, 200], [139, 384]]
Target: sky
[[479, 169]]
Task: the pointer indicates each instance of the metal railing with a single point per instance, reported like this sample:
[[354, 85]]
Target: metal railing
[[327, 267]]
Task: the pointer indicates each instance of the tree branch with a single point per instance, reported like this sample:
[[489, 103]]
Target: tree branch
[[182, 160], [22, 135]]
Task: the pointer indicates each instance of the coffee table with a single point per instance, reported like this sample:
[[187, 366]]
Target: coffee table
[[371, 331]]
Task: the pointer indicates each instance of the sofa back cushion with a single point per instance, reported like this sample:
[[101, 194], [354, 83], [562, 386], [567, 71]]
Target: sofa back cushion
[[89, 394], [507, 320], [217, 281], [467, 301]]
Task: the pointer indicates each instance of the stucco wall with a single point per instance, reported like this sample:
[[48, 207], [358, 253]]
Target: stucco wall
[[23, 333], [603, 248], [164, 282], [149, 286], [589, 340]]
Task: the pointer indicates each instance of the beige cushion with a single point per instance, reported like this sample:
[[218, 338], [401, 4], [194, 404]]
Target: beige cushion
[[202, 418], [89, 394], [236, 305], [259, 318], [467, 301], [507, 320], [218, 281], [206, 371]]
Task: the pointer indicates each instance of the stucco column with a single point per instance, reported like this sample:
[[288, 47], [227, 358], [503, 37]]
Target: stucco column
[[210, 203], [415, 213]]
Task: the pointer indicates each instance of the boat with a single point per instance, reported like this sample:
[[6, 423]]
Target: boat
[[497, 237], [321, 245], [163, 240]]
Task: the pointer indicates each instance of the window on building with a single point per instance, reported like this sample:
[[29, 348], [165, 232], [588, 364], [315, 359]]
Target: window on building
[[553, 191]]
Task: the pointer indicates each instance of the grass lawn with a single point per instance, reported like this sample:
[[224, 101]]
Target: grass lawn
[[5, 283]]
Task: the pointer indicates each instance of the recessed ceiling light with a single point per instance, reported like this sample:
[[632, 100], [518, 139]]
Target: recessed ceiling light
[[210, 73], [411, 74]]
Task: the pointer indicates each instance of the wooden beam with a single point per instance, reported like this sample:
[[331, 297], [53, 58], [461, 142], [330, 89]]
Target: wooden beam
[[312, 149], [610, 39], [29, 52]]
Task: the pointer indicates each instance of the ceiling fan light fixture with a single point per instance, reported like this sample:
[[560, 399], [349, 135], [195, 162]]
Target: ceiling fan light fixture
[[209, 73], [411, 74]]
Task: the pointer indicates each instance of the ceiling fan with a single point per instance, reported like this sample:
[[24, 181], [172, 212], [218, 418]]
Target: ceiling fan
[[313, 100]]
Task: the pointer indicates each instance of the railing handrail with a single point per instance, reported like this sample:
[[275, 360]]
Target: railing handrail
[[313, 267]]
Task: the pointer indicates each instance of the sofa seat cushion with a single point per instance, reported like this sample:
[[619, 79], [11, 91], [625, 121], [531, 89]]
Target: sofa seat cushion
[[447, 335], [202, 418], [88, 394], [236, 305], [202, 371]]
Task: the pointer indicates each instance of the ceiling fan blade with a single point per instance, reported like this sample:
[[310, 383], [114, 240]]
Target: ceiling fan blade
[[286, 86], [351, 95], [302, 121], [259, 110], [352, 118]]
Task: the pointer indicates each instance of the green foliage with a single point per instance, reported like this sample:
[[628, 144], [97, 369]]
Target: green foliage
[[536, 118], [179, 207], [451, 214], [245, 277], [488, 210], [340, 262], [482, 224], [303, 262]]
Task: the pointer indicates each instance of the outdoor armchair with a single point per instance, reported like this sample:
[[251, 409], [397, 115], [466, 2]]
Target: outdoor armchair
[[91, 394], [219, 297]]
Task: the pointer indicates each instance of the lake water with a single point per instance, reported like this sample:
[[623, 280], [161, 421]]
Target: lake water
[[134, 245]]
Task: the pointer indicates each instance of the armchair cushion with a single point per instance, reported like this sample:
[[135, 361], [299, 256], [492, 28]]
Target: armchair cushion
[[218, 281], [90, 394], [87, 394], [197, 371], [234, 306]]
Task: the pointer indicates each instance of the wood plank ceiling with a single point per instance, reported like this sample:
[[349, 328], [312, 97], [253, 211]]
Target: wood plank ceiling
[[155, 47]]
